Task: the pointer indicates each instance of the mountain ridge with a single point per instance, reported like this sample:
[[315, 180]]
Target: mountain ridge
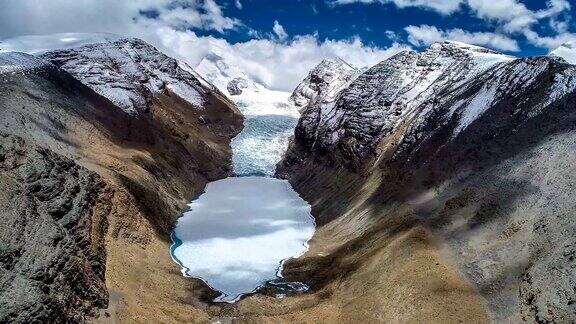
[[101, 188], [472, 146]]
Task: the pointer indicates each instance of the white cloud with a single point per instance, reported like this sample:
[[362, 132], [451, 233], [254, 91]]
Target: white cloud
[[517, 19], [425, 35], [510, 17], [514, 15], [238, 4], [314, 9], [279, 62], [279, 31], [549, 42], [278, 65], [441, 6], [391, 35], [21, 17]]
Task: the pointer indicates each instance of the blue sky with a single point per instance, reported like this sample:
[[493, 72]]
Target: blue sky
[[373, 22], [277, 42]]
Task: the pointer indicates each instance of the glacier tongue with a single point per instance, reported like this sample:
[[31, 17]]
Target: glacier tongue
[[270, 117]]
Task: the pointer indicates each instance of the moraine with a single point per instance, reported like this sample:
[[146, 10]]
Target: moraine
[[237, 234]]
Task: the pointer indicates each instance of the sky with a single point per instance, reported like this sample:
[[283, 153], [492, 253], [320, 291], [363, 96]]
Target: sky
[[278, 41]]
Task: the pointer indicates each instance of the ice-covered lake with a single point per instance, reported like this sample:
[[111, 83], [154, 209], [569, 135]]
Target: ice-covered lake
[[239, 231]]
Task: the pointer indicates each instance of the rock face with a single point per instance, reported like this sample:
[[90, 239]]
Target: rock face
[[324, 82], [151, 132], [52, 256], [474, 146], [236, 85]]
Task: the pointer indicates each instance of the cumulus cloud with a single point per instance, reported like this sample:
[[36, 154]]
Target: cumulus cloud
[[279, 31], [514, 15], [549, 42], [441, 6], [511, 18], [425, 35], [278, 65]]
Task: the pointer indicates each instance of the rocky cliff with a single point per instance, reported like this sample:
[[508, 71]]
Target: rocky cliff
[[469, 145], [52, 256]]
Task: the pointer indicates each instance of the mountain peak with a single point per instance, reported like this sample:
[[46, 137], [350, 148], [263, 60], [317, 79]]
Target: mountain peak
[[219, 72], [126, 71], [334, 60], [567, 51], [451, 46], [324, 81]]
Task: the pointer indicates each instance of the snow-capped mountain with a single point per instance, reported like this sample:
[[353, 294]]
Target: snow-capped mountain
[[324, 82], [473, 145], [408, 86], [566, 51], [127, 71], [98, 135], [252, 97]]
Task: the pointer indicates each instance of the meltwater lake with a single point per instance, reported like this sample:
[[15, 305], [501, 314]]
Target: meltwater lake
[[237, 234]]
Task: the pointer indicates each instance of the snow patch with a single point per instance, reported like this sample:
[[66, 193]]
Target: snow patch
[[475, 108], [12, 62], [126, 71]]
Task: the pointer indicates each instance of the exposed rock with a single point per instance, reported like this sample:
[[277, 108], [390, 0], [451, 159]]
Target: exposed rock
[[324, 82], [236, 85], [52, 256], [129, 72], [404, 87], [153, 160]]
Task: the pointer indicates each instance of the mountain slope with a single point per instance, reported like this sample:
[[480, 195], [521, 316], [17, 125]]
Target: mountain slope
[[52, 254], [141, 166], [470, 145]]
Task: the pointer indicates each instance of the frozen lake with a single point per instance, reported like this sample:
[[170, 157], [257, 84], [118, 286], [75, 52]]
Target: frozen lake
[[237, 233]]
